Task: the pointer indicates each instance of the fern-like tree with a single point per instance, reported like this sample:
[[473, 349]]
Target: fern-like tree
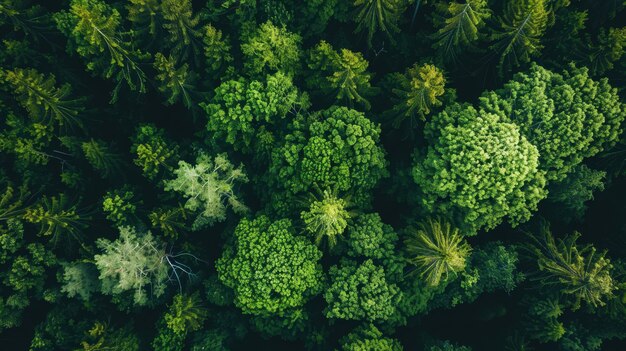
[[186, 314], [417, 93], [57, 217], [521, 27], [209, 187], [43, 99], [94, 29], [176, 82], [580, 272], [378, 15], [458, 26], [340, 75], [438, 250], [327, 217], [102, 157], [183, 32], [611, 46]]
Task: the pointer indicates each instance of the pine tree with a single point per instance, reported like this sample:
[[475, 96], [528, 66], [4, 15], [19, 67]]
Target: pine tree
[[458, 26], [378, 15], [522, 25], [42, 98], [580, 272], [417, 93], [102, 157], [94, 31], [175, 82], [57, 217]]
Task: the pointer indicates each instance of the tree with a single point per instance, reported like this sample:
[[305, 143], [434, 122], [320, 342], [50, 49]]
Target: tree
[[45, 102], [326, 218], [134, 262], [102, 157], [570, 194], [522, 25], [169, 220], [360, 292], [286, 269], [438, 250], [416, 93], [120, 206], [185, 315], [491, 267], [368, 236], [337, 149], [458, 26], [24, 271], [80, 279], [568, 117], [378, 15], [57, 217], [609, 49], [177, 83], [368, 337], [104, 337], [477, 170], [448, 346], [209, 188], [154, 153], [94, 31], [217, 51], [244, 111], [271, 49], [582, 273], [341, 75], [182, 27]]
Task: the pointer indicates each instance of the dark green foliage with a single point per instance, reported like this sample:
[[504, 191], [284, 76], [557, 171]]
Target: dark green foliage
[[102, 158], [57, 218], [154, 154], [243, 112], [45, 102], [378, 15], [176, 83], [459, 26], [369, 237], [103, 337], [522, 25], [94, 32], [185, 315], [416, 93], [309, 175], [341, 75], [571, 194], [579, 272]]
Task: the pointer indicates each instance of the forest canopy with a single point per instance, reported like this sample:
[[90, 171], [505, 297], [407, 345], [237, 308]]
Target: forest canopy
[[356, 175]]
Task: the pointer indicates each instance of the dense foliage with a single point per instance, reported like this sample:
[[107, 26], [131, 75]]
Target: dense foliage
[[357, 175]]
